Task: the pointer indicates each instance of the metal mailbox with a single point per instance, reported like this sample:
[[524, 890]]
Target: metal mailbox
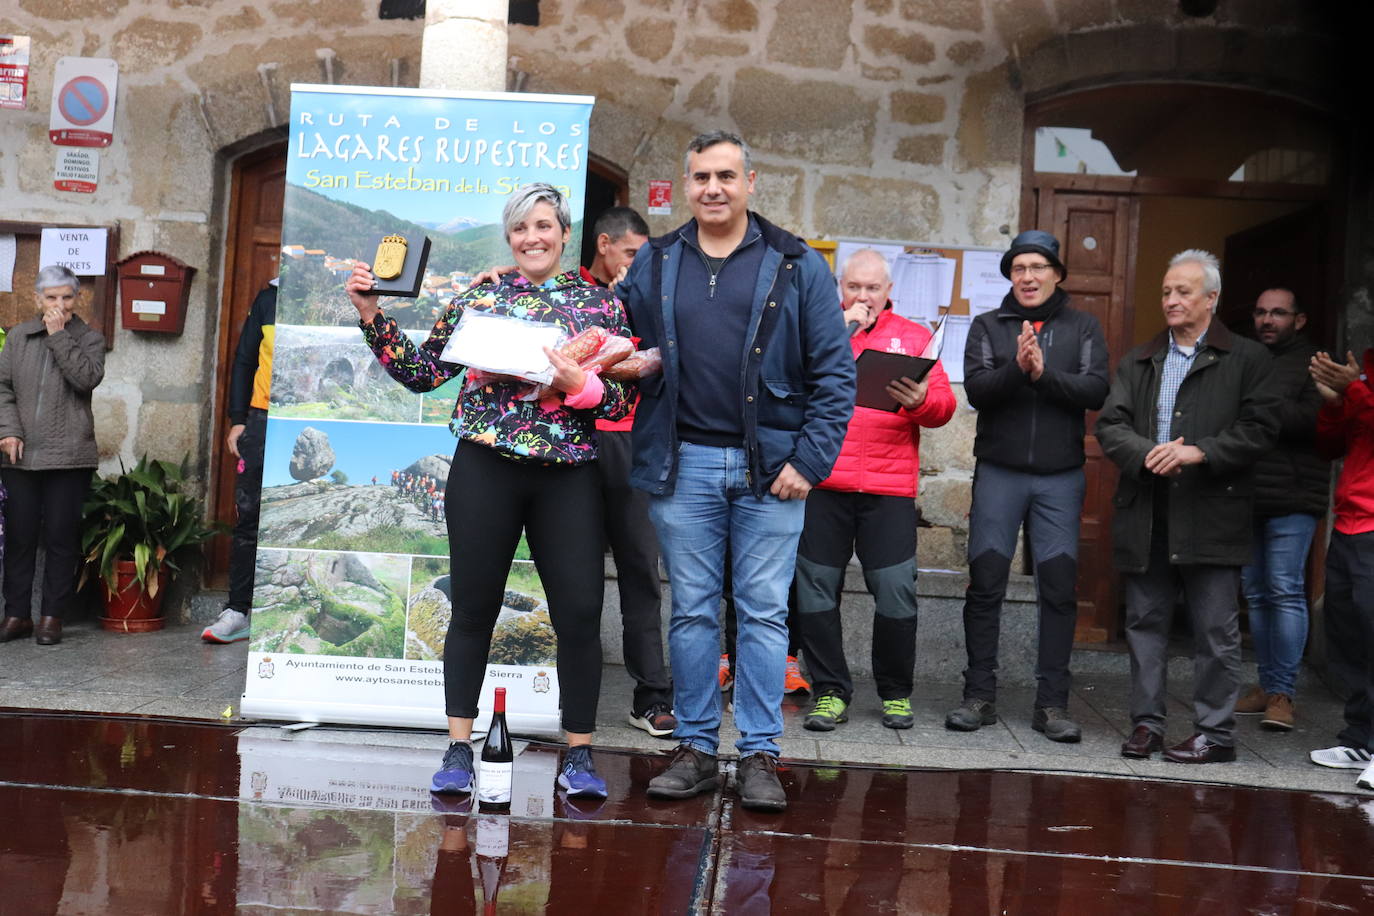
[[153, 291]]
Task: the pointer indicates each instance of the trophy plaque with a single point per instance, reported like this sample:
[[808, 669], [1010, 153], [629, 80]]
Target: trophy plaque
[[398, 262]]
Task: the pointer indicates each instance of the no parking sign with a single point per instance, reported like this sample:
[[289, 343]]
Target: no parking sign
[[83, 101]]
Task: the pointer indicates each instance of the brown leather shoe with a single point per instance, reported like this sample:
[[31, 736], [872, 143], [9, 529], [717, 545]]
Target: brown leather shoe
[[15, 628], [49, 632], [1198, 749], [1252, 702], [1278, 713], [1142, 743]]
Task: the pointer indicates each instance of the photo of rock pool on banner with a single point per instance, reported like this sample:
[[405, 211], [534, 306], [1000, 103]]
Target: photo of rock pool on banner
[[367, 605], [345, 485]]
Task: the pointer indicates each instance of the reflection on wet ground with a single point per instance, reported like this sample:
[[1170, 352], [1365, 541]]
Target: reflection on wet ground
[[121, 815]]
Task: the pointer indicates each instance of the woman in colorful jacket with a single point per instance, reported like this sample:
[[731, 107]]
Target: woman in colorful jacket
[[521, 464], [48, 369]]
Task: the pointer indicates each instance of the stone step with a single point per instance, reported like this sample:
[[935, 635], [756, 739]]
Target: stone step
[[940, 652]]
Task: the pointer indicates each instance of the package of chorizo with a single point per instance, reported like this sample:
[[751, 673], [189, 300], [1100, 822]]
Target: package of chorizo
[[639, 364]]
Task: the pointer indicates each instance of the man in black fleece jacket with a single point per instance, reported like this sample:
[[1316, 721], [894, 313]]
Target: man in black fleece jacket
[[1032, 368]]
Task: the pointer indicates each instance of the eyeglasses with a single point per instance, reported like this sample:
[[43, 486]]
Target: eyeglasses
[[1035, 270], [1261, 314]]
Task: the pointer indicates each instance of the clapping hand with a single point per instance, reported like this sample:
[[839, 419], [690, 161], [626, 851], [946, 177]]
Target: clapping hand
[[1028, 353], [1331, 377]]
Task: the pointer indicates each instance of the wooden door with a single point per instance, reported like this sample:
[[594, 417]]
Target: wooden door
[[1096, 233], [1292, 252], [253, 249]]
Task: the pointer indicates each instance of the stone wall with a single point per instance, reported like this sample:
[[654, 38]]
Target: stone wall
[[196, 77], [893, 119]]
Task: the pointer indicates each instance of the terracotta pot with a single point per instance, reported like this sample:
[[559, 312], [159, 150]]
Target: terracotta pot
[[129, 609]]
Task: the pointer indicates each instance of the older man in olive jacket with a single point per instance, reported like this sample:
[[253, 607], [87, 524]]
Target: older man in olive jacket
[[1188, 414]]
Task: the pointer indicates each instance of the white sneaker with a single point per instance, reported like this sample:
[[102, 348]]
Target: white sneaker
[[1341, 757], [232, 626], [1366, 780]]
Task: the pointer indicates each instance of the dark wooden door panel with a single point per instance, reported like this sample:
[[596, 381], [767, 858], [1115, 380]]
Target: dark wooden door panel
[[253, 251], [1096, 233]]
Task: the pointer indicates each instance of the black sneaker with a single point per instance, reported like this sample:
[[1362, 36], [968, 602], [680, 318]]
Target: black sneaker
[[971, 715], [756, 780], [658, 720], [690, 772], [1055, 724]]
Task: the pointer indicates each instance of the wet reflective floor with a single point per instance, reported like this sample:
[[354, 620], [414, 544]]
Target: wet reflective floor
[[124, 815]]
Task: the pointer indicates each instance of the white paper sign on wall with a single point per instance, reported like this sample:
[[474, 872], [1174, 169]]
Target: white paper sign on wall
[[82, 251]]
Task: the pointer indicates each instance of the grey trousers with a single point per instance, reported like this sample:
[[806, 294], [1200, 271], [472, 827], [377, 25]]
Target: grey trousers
[[1209, 592]]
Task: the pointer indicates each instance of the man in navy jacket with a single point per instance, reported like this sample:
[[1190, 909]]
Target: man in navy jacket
[[747, 415]]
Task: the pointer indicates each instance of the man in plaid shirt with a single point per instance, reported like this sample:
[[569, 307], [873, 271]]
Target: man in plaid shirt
[[1188, 414]]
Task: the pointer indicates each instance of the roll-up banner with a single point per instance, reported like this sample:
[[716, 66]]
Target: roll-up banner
[[352, 596]]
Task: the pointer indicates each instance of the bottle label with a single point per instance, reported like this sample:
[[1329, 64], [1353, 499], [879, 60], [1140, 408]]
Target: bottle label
[[494, 782], [493, 837]]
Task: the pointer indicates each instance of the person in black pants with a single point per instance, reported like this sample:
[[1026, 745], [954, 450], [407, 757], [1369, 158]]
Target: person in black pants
[[1032, 368], [53, 362], [520, 463], [250, 386], [620, 231]]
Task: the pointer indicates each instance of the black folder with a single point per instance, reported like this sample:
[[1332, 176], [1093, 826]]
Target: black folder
[[877, 369]]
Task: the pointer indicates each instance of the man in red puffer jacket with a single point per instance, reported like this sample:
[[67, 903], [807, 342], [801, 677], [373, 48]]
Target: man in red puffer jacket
[[869, 503]]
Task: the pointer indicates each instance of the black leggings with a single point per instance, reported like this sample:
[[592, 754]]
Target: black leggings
[[48, 502], [489, 500]]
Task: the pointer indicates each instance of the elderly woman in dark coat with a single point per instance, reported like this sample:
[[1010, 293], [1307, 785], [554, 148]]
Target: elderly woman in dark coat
[[48, 369]]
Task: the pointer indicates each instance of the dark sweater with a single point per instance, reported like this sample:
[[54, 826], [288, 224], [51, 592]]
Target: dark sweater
[[712, 330], [1034, 426], [1290, 477]]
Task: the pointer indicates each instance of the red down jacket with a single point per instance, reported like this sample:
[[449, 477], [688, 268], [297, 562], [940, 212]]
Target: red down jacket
[[880, 454]]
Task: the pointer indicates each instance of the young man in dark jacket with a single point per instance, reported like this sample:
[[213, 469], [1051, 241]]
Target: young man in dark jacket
[[746, 417], [1031, 368], [1291, 484], [1189, 413]]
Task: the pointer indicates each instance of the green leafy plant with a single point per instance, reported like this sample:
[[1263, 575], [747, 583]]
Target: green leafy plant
[[141, 515]]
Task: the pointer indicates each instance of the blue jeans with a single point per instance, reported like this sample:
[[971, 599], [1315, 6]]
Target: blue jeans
[[710, 507], [1275, 589]]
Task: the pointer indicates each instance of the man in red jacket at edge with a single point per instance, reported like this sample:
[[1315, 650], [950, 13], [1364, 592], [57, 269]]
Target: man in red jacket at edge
[[868, 504], [1345, 429]]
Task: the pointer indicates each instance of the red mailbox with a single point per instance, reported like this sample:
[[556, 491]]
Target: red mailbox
[[153, 291]]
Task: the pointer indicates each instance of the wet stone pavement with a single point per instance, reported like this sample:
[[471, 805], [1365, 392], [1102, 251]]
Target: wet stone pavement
[[129, 815], [168, 803]]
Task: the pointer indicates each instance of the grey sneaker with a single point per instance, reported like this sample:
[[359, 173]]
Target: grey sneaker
[[971, 715], [232, 626], [1055, 724], [756, 780], [690, 772]]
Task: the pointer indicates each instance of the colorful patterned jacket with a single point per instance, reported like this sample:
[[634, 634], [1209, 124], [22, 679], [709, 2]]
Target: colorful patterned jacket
[[490, 411]]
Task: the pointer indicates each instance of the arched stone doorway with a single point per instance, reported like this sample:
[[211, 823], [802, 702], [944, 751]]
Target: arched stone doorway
[[1127, 175]]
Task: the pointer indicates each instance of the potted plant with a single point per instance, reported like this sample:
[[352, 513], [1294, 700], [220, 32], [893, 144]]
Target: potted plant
[[138, 525]]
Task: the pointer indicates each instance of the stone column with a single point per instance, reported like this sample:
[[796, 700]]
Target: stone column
[[464, 45]]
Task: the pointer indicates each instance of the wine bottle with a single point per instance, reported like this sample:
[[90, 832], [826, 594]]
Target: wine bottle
[[498, 759], [493, 847]]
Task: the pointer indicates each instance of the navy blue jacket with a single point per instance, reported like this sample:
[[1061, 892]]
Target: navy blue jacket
[[796, 384]]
